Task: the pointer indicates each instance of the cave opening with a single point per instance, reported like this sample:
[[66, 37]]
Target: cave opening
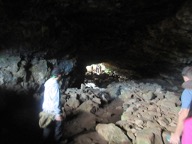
[[102, 74]]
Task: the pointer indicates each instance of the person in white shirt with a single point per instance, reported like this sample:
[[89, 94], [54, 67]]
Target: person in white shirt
[[52, 105]]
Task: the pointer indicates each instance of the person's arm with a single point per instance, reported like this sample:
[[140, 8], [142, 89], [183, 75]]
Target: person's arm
[[175, 137], [56, 100]]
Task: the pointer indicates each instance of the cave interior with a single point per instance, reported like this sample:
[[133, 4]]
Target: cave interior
[[137, 39]]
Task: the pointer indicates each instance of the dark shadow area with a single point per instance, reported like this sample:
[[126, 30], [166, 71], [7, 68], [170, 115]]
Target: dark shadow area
[[19, 118], [57, 27]]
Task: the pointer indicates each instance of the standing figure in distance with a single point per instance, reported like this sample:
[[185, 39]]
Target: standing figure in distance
[[186, 99], [52, 104], [98, 69]]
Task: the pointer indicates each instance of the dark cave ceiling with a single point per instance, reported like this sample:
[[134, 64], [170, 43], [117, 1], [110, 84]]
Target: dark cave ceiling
[[133, 34]]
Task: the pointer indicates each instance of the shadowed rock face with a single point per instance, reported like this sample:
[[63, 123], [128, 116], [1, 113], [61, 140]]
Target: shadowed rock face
[[132, 34]]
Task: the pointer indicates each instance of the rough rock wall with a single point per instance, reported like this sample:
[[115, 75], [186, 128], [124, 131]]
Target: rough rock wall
[[130, 34], [27, 74]]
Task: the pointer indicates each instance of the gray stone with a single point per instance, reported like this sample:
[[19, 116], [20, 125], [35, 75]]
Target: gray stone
[[112, 134]]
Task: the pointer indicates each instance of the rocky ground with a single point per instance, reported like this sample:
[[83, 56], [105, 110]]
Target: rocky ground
[[106, 110], [124, 112]]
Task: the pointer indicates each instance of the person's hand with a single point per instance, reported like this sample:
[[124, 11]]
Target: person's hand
[[175, 139], [179, 112], [58, 117]]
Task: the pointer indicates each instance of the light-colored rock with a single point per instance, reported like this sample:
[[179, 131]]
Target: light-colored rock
[[145, 137], [148, 96], [131, 136], [73, 103], [96, 100], [152, 108], [152, 124], [151, 135], [112, 134], [88, 106]]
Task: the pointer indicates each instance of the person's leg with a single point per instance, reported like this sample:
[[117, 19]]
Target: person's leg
[[47, 134], [58, 131]]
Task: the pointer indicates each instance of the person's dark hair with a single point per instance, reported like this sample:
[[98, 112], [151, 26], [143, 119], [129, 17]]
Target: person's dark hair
[[56, 71], [190, 111], [187, 71]]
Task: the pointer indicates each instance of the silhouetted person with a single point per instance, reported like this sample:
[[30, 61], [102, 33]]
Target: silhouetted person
[[52, 104]]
